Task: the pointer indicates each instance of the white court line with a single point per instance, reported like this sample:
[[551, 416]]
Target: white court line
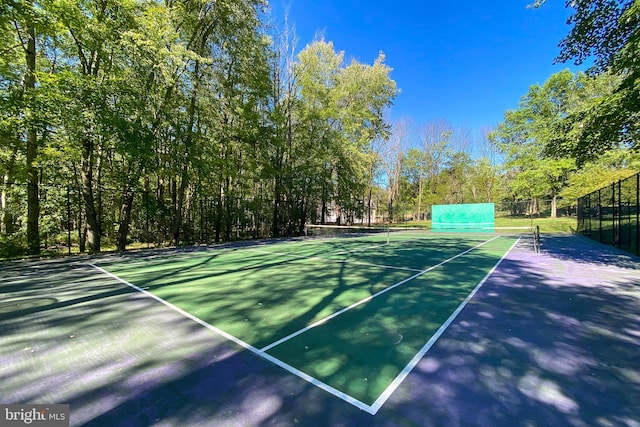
[[414, 361], [371, 409], [326, 387], [369, 298], [179, 310], [338, 261]]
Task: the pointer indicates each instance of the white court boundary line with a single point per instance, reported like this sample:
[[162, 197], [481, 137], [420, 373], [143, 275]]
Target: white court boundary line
[[373, 408], [416, 359], [326, 387]]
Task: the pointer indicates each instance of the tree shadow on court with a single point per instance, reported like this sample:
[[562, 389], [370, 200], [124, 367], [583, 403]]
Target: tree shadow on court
[[589, 252], [123, 359], [541, 344]]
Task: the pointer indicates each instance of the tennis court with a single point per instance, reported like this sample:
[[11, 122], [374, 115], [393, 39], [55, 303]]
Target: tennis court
[[351, 317], [347, 314]]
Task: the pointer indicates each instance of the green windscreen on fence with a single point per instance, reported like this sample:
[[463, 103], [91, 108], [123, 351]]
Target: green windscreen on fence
[[478, 217]]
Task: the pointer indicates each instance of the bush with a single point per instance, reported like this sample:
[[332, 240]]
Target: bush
[[13, 245]]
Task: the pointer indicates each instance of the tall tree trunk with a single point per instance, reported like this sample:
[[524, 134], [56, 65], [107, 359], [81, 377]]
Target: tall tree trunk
[[323, 210], [179, 205], [7, 224], [277, 194], [88, 195], [369, 196], [218, 222], [184, 179], [303, 217], [228, 203], [82, 229], [33, 200], [275, 226], [125, 219], [420, 185]]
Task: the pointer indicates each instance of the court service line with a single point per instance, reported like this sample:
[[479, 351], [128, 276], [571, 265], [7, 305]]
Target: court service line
[[339, 261], [369, 298], [391, 388], [316, 382]]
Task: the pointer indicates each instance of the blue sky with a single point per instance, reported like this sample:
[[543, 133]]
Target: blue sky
[[466, 62]]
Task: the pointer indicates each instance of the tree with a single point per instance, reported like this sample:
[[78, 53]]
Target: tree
[[182, 116], [23, 17], [414, 171], [483, 177], [91, 83], [528, 132], [436, 137], [485, 171], [392, 154], [611, 166], [608, 31], [341, 115]]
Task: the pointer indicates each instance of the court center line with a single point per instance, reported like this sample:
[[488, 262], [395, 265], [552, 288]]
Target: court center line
[[316, 382], [391, 388], [369, 298]]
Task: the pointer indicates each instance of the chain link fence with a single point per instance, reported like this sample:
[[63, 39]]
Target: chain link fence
[[611, 215]]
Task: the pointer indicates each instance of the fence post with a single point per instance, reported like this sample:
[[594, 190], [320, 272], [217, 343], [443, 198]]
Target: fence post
[[612, 188], [599, 215], [620, 215], [590, 211]]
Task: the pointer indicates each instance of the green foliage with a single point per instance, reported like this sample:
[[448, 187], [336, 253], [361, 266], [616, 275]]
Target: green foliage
[[340, 115], [13, 245], [608, 168], [544, 140], [151, 111], [601, 28], [528, 134], [609, 32]]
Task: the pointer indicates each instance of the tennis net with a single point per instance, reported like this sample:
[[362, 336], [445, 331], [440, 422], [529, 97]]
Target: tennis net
[[379, 234]]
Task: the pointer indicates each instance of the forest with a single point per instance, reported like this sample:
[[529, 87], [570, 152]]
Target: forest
[[128, 122]]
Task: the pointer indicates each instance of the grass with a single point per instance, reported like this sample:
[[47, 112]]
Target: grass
[[547, 225]]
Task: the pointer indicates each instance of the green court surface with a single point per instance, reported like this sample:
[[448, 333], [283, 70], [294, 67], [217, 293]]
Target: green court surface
[[350, 315]]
